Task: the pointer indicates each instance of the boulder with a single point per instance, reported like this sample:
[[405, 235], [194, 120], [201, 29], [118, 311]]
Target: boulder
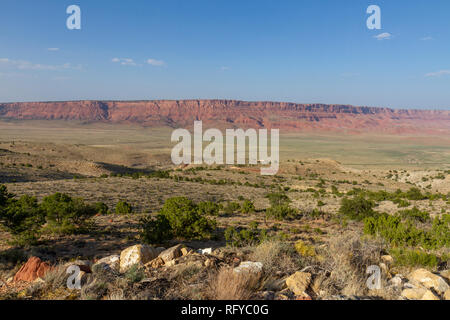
[[171, 263], [445, 274], [299, 282], [447, 295], [138, 254], [109, 263], [171, 253], [396, 281], [429, 280], [185, 251], [414, 294], [429, 296], [275, 285], [249, 266], [33, 269], [155, 263], [160, 249]]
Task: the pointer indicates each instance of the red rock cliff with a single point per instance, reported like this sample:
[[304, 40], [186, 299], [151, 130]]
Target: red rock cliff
[[231, 113]]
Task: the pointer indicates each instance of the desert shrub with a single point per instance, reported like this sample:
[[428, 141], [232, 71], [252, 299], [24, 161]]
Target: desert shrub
[[393, 230], [185, 220], [101, 208], [208, 208], [357, 208], [401, 203], [22, 218], [231, 207], [4, 196], [245, 236], [414, 258], [397, 232], [276, 256], [94, 290], [123, 207], [278, 199], [230, 285], [314, 213], [279, 207], [415, 214], [440, 232], [247, 207], [304, 249], [65, 214], [281, 212], [135, 273], [56, 278], [155, 230], [347, 259], [414, 194]]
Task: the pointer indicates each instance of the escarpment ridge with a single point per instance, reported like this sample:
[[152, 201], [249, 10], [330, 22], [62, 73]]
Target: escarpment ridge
[[232, 113]]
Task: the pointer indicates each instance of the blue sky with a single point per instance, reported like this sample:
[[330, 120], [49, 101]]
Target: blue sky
[[306, 51]]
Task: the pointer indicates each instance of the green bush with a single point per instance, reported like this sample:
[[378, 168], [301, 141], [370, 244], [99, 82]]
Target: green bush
[[231, 208], [397, 232], [278, 199], [414, 258], [4, 196], [66, 214], [22, 217], [357, 208], [440, 232], [414, 194], [279, 207], [247, 207], [156, 230], [135, 274], [281, 212], [123, 207], [208, 208], [185, 220], [245, 237], [415, 214], [101, 208]]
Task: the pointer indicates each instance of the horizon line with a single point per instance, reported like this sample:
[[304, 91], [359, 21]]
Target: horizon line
[[228, 100]]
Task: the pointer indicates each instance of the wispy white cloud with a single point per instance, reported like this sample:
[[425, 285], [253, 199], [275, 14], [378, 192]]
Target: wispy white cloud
[[426, 38], [157, 63], [438, 73], [124, 61], [27, 65], [53, 49], [383, 36], [131, 62], [224, 68]]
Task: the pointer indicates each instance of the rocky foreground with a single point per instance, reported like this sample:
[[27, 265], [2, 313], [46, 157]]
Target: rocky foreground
[[144, 272]]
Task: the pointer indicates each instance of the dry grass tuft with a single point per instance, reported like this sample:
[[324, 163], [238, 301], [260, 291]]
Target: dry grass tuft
[[276, 256], [230, 285], [348, 259]]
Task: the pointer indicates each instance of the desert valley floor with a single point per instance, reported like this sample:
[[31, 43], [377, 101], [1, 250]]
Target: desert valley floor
[[303, 242]]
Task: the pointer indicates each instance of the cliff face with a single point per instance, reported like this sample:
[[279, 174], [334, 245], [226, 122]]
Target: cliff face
[[230, 113]]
